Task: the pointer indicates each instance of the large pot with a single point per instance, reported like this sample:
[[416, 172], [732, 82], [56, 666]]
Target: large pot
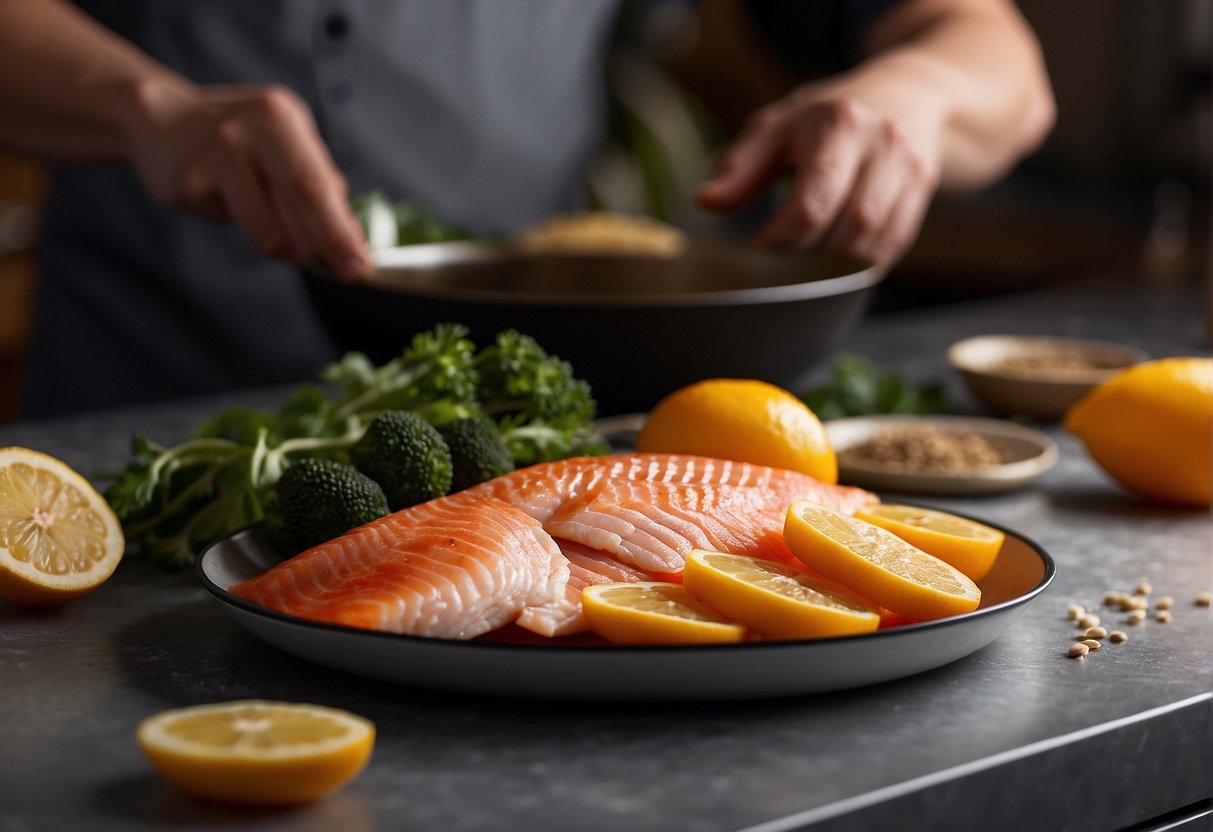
[[634, 327]]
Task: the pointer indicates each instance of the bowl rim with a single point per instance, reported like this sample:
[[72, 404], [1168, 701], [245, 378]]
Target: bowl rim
[[863, 275], [956, 350]]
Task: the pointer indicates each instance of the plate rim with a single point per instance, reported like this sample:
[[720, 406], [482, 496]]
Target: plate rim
[[226, 597]]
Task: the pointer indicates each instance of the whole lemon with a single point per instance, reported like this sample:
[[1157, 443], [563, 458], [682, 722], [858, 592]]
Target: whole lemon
[[1151, 427], [744, 420]]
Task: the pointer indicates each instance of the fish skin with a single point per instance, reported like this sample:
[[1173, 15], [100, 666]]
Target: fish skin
[[436, 569]]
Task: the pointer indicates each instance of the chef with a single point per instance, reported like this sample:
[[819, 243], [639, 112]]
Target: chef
[[199, 150]]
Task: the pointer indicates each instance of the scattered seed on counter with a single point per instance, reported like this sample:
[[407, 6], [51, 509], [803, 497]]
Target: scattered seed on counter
[[1091, 644], [1203, 599], [1143, 588], [1127, 602], [1117, 637], [1136, 617], [1113, 599], [1163, 616], [1095, 632], [1141, 602], [1164, 603], [1088, 620], [1075, 612], [1077, 651]]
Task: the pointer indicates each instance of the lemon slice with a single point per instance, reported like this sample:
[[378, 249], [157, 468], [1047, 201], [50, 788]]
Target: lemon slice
[[255, 752], [654, 613], [877, 564], [969, 546], [776, 600], [58, 537]]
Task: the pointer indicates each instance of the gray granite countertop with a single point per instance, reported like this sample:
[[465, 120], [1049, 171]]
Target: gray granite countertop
[[1015, 736]]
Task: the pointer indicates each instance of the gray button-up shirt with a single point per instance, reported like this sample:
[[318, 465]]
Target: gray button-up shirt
[[483, 110]]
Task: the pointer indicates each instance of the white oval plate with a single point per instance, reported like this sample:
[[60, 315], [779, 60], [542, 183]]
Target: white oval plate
[[1034, 453], [577, 668]]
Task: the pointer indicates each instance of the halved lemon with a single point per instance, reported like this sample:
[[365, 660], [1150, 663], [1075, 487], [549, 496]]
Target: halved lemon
[[877, 564], [58, 537], [257, 752], [655, 613], [774, 599], [969, 546]]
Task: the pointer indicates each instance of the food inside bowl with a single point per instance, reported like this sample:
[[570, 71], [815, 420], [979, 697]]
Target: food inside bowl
[[922, 449], [1052, 365], [603, 233]]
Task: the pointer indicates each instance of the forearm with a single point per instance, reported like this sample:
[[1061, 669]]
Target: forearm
[[975, 67], [69, 88]]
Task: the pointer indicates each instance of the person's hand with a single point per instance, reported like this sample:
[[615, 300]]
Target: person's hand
[[252, 156], [862, 171]]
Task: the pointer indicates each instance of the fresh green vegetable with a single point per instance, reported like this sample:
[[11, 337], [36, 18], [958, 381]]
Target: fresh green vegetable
[[407, 456], [402, 223], [544, 413], [319, 499], [172, 501], [477, 452], [858, 388]]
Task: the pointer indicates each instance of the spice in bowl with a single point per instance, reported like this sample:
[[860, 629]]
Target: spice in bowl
[[1052, 365], [1035, 376], [926, 449]]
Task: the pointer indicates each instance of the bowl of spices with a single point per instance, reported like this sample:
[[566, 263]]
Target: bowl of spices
[[941, 455], [1037, 376]]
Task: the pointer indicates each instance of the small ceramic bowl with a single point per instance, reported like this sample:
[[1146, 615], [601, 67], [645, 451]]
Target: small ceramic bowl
[[1011, 374], [1030, 453]]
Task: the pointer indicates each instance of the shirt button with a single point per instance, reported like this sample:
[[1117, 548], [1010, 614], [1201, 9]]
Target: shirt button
[[336, 27]]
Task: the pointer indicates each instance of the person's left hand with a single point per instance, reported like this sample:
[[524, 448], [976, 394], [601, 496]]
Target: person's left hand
[[863, 170]]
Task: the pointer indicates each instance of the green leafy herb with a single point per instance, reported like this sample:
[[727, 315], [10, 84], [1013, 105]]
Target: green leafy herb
[[543, 412], [173, 501], [858, 388], [402, 223]]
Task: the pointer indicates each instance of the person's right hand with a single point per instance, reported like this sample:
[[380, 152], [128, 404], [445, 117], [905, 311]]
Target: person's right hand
[[252, 156]]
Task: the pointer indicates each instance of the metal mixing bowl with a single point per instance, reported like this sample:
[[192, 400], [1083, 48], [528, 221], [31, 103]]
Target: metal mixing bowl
[[635, 327]]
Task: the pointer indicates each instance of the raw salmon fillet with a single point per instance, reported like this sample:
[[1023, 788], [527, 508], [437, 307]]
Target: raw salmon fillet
[[441, 569], [522, 546]]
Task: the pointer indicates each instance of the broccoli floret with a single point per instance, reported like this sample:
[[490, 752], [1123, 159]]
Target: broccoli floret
[[477, 452], [317, 500], [407, 456]]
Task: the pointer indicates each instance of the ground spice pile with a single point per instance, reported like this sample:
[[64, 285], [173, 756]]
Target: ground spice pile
[[1048, 365], [926, 449]]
